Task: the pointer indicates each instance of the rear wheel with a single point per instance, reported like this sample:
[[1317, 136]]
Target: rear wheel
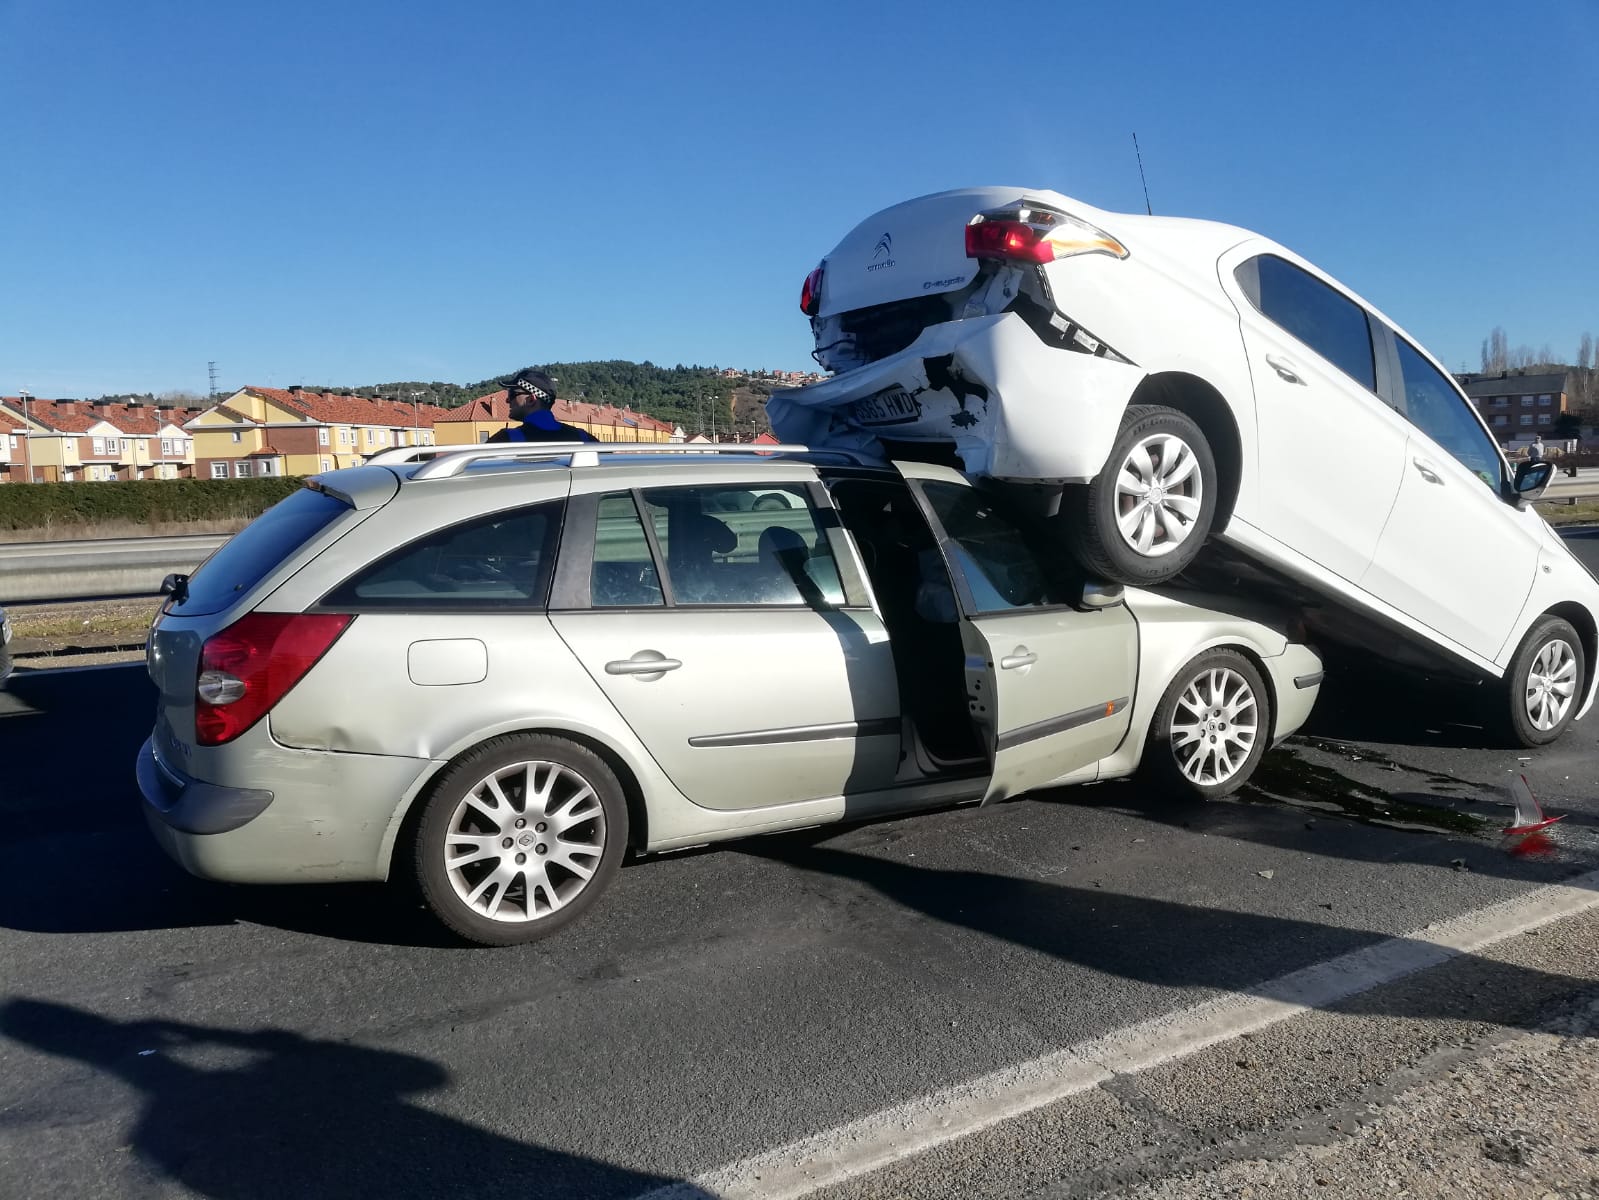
[[1543, 687], [1145, 516], [1211, 727], [519, 838]]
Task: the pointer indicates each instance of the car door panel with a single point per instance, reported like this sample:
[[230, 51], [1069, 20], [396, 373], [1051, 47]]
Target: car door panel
[[1048, 686], [745, 701], [1454, 554], [749, 709], [1331, 452], [1449, 558]]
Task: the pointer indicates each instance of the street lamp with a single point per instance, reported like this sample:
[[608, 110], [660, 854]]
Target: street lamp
[[27, 432], [416, 417]]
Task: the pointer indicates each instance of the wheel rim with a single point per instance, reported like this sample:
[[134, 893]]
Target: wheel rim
[[1214, 727], [1159, 492], [525, 841], [1551, 685]]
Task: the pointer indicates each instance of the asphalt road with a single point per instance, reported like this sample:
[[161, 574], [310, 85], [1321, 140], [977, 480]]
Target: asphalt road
[[164, 1036]]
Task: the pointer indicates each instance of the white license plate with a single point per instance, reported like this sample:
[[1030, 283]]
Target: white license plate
[[895, 406]]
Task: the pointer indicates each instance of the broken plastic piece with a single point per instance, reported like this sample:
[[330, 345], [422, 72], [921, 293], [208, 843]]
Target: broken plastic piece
[[1529, 816]]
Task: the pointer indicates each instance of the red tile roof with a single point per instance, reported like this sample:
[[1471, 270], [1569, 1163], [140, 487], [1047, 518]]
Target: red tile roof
[[485, 408], [494, 407], [79, 416], [332, 408]]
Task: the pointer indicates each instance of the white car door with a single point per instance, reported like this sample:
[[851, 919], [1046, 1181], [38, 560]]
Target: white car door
[[1048, 686], [1331, 451], [1455, 555]]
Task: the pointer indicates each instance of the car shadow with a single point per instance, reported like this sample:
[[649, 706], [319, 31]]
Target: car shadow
[[241, 1114], [1392, 707], [1156, 942]]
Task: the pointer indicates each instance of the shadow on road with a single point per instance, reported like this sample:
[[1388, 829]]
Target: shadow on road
[[269, 1114], [1151, 941]]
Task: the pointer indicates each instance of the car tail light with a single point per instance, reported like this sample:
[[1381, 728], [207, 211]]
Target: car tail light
[[811, 293], [1035, 235], [251, 665]]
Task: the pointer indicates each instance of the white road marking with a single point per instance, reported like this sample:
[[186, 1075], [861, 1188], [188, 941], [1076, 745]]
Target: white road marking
[[906, 1130]]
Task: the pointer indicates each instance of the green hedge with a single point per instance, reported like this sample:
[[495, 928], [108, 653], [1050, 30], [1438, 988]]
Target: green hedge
[[42, 505]]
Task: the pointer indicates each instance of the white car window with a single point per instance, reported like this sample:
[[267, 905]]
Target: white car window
[[1330, 323], [1435, 408]]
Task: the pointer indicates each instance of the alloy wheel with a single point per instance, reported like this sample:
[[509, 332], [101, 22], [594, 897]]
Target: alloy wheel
[[1159, 493], [1214, 726], [524, 841], [1551, 684]]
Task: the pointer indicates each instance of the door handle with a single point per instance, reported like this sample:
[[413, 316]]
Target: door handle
[[1284, 368], [1020, 657], [645, 662], [1427, 472]]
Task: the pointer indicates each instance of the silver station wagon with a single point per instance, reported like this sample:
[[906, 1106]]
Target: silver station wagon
[[499, 669]]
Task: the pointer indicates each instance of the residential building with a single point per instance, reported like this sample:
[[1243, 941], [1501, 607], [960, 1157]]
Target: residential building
[[1517, 406], [97, 440], [13, 447], [292, 431]]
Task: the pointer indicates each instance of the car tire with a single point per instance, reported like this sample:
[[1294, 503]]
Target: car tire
[[1129, 528], [772, 504], [1217, 702], [471, 879], [1543, 687]]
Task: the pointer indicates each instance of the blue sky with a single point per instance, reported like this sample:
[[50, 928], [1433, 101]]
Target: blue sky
[[356, 192]]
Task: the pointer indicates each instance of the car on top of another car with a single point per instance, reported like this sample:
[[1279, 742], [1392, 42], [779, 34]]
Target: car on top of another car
[[1158, 382]]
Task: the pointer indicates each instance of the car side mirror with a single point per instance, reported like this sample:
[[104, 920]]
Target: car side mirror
[[1531, 479], [1099, 594]]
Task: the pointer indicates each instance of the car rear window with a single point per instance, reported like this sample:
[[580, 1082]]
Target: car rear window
[[499, 561], [246, 558]]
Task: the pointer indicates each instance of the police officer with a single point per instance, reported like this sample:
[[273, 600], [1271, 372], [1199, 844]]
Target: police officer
[[531, 396]]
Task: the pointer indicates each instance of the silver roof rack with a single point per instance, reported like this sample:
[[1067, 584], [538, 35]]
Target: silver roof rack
[[442, 462]]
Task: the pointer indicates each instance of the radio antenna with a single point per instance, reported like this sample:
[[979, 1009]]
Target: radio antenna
[[1141, 178]]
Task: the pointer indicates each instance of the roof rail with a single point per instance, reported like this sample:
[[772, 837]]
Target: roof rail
[[446, 461]]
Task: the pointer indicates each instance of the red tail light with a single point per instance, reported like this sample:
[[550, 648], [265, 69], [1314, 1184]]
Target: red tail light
[[251, 665], [1014, 240], [811, 293]]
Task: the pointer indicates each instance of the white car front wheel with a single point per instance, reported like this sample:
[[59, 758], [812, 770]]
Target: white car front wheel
[[1148, 512]]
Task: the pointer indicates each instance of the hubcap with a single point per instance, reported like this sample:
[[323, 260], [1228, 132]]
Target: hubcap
[[505, 871], [1551, 685], [1214, 726], [1159, 490]]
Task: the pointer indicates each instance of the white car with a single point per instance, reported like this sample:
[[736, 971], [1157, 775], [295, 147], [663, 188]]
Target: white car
[[1161, 381]]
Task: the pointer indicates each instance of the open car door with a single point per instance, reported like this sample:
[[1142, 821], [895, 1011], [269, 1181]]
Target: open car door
[[1049, 680]]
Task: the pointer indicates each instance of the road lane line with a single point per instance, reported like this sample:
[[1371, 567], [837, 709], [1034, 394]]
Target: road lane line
[[916, 1126]]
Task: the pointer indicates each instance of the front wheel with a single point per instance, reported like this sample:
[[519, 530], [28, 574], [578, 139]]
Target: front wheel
[[1543, 686], [1146, 514], [519, 837], [1211, 727]]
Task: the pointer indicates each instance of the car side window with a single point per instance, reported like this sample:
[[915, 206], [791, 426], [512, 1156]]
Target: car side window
[[1435, 408], [1330, 323], [503, 559], [742, 544], [624, 574], [1006, 564]]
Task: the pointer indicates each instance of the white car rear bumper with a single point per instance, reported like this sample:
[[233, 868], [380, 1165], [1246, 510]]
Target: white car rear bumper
[[1013, 407]]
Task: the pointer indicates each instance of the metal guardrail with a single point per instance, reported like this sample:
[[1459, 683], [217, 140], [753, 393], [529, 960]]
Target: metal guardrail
[[32, 572]]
